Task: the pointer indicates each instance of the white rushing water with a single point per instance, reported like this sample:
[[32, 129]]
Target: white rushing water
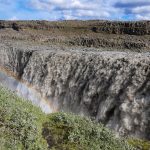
[[25, 92]]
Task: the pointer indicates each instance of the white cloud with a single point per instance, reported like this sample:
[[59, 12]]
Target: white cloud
[[40, 5], [14, 18], [133, 1], [92, 13], [142, 9], [75, 9], [61, 4], [143, 17]]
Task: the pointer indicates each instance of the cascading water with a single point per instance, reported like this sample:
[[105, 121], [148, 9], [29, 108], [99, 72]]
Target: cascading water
[[112, 87], [26, 92]]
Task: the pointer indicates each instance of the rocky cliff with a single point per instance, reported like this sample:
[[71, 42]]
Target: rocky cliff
[[112, 87]]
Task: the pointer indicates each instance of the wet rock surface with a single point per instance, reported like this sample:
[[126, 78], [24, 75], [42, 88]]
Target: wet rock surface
[[112, 87]]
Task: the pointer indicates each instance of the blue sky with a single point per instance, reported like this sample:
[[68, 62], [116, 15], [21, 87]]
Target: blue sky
[[74, 9]]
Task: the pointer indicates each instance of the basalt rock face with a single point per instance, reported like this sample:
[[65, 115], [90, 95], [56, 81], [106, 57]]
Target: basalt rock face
[[111, 87], [14, 60]]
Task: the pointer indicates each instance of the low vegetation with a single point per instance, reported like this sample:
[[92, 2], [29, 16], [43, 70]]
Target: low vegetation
[[20, 124], [139, 144], [71, 132], [24, 127]]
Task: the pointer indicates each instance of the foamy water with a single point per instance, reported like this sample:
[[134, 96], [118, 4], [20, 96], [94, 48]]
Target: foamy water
[[25, 92]]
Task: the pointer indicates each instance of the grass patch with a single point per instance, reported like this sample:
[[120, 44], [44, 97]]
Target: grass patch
[[139, 144], [24, 127]]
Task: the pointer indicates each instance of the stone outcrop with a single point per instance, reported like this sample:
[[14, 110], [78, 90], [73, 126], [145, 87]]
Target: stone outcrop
[[111, 87]]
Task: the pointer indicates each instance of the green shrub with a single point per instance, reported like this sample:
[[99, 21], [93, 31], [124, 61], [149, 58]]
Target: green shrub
[[24, 127], [71, 132], [20, 124]]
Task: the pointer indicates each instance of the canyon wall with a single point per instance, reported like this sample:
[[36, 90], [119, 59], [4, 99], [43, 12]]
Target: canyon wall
[[111, 87]]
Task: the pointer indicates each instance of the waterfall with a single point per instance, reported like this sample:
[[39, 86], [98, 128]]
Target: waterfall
[[25, 91]]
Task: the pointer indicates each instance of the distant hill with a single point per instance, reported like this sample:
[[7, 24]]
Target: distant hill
[[94, 33]]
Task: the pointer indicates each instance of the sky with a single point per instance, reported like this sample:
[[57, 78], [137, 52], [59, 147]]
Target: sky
[[74, 9]]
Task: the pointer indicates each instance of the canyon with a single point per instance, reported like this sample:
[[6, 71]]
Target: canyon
[[99, 69]]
